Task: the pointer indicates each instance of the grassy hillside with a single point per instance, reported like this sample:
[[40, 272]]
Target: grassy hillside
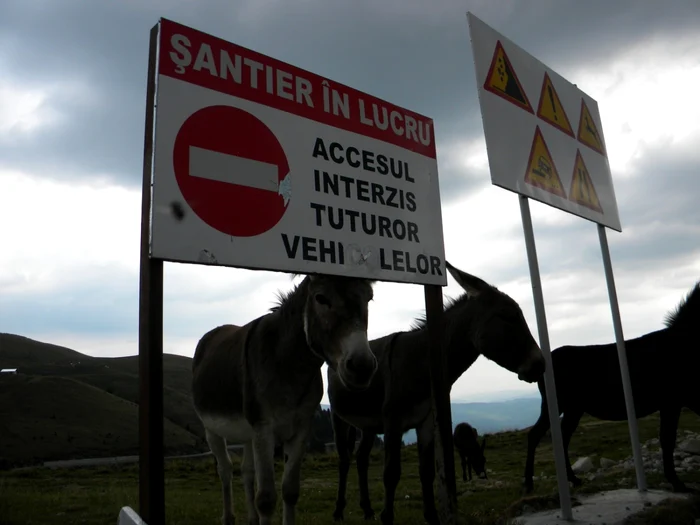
[[193, 492], [18, 351], [66, 405], [57, 417]]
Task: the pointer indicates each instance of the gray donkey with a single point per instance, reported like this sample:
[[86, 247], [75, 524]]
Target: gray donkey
[[483, 321], [259, 384]]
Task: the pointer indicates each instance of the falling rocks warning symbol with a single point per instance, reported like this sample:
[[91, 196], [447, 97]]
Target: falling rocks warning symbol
[[501, 80]]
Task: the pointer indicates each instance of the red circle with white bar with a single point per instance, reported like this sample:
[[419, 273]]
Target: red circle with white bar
[[230, 167]]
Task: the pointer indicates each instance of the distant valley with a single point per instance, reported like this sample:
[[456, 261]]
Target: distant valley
[[490, 417]]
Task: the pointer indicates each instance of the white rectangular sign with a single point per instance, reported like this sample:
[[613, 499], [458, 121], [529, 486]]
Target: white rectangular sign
[[544, 136], [260, 164]]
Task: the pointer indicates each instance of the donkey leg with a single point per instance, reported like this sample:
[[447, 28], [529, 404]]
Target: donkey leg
[[217, 444], [264, 454], [469, 468], [425, 434], [248, 475], [392, 470], [293, 456], [534, 436], [362, 459], [463, 460], [340, 432], [569, 422], [668, 426]]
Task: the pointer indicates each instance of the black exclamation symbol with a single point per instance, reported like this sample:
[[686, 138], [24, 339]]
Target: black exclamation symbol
[[551, 98]]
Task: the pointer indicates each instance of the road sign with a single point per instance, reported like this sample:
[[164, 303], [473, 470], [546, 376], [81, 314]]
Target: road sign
[[541, 170], [507, 78], [550, 109], [231, 170], [260, 164], [582, 189]]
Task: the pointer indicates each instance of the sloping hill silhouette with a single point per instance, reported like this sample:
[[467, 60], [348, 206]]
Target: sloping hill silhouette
[[65, 405]]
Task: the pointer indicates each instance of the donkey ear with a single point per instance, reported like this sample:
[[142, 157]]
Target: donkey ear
[[472, 284]]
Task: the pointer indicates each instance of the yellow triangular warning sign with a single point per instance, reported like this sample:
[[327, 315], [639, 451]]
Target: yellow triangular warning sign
[[501, 80], [541, 171], [550, 108], [588, 131], [582, 190]]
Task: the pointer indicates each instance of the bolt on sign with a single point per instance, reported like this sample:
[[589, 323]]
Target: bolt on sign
[[260, 164], [555, 154]]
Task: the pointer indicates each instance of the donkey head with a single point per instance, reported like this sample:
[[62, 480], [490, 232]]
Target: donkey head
[[335, 324], [498, 329]]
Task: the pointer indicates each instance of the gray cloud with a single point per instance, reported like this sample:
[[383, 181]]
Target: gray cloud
[[410, 52], [414, 54]]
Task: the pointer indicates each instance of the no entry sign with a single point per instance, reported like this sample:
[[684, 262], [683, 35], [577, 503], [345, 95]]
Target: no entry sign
[[260, 164], [230, 168]]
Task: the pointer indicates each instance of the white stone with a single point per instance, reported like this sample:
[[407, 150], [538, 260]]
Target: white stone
[[606, 463], [583, 465], [690, 446]]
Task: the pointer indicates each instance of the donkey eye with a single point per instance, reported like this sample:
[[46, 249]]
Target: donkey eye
[[322, 300]]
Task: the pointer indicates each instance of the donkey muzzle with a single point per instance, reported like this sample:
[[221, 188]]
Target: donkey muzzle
[[533, 368], [358, 366]]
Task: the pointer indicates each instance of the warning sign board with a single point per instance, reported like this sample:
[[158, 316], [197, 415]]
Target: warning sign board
[[501, 80], [582, 189], [588, 131], [550, 108], [531, 152], [260, 164], [541, 171]]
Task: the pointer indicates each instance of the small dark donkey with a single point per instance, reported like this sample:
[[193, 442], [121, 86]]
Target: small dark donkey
[[260, 384], [466, 441], [483, 321], [663, 367]]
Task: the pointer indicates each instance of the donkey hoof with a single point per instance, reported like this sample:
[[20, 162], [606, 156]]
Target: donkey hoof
[[576, 482], [338, 515], [528, 487], [387, 518], [369, 515]]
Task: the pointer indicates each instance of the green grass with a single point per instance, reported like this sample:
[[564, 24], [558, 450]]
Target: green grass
[[193, 494]]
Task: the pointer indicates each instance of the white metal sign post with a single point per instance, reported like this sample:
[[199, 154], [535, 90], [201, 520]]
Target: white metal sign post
[[545, 141], [259, 164]]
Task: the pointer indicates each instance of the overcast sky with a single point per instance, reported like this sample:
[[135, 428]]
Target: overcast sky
[[72, 95]]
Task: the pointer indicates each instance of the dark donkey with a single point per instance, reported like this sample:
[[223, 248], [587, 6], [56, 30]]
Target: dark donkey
[[663, 368], [466, 441], [260, 384], [483, 321]]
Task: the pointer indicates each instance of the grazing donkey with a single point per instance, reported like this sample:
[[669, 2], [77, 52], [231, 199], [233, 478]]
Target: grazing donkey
[[261, 383], [470, 452], [663, 367], [483, 321]]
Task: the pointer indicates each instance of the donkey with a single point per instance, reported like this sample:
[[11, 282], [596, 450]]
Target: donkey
[[260, 384], [470, 452], [483, 321], [663, 367]]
